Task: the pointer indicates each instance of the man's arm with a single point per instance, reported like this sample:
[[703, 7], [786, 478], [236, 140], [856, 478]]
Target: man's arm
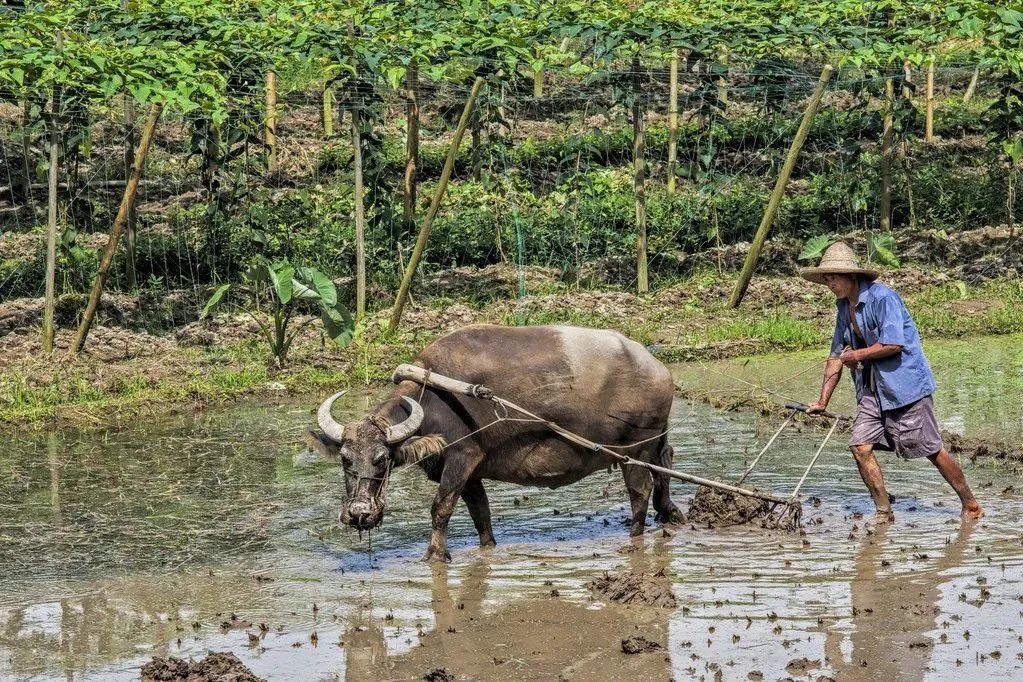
[[832, 373], [850, 358]]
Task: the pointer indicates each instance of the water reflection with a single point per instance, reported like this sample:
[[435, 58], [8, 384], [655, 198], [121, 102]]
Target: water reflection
[[893, 610]]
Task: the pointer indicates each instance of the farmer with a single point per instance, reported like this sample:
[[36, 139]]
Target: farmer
[[893, 381]]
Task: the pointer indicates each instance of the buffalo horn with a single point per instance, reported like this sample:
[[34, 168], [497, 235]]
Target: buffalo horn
[[330, 428], [403, 430]]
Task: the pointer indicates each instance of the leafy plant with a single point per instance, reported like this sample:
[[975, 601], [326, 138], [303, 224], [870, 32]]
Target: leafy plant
[[881, 249], [815, 247], [275, 292]]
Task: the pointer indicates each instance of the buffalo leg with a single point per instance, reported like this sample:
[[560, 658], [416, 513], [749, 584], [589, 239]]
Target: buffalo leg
[[457, 470], [639, 483], [479, 509], [667, 511]]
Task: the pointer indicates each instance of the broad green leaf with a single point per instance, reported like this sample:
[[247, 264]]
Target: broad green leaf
[[282, 278], [814, 248], [337, 323], [215, 299], [318, 284]]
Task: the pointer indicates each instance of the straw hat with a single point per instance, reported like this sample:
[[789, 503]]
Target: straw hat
[[838, 259]]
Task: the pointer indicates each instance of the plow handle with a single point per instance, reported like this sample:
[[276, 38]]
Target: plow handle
[[800, 407]]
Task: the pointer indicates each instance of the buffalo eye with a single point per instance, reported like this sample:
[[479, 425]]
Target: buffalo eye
[[379, 457]]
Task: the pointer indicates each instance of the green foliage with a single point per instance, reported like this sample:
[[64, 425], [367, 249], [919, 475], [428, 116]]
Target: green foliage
[[815, 247], [275, 292], [881, 249]]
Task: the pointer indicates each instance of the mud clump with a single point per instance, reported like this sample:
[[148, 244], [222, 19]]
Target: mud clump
[[438, 675], [647, 589], [638, 644], [722, 508], [801, 666], [217, 667]]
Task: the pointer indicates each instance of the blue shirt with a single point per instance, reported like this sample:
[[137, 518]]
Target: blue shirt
[[882, 317]]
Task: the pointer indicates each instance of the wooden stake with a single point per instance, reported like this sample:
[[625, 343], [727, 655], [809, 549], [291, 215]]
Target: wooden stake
[[270, 135], [327, 113], [115, 232], [360, 220], [638, 183], [411, 147], [51, 225], [779, 190], [887, 142], [424, 232], [672, 122], [929, 123]]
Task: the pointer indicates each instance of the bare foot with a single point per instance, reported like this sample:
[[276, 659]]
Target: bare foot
[[883, 516], [972, 512]]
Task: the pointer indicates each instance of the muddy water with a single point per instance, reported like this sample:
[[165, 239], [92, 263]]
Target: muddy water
[[124, 545]]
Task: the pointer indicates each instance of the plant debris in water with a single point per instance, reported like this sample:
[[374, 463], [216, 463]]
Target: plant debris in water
[[649, 589], [722, 508], [217, 667], [438, 675]]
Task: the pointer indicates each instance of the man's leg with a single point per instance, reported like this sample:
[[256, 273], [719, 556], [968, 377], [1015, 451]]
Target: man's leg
[[953, 473], [871, 474]]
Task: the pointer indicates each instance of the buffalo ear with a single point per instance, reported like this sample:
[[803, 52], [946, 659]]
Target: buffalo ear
[[320, 444], [418, 448]]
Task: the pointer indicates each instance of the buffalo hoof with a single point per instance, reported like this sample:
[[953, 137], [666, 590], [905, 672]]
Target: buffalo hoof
[[637, 529], [673, 515], [488, 543], [435, 555]]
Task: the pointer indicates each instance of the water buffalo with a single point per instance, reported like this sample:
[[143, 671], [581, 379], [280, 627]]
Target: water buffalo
[[595, 383]]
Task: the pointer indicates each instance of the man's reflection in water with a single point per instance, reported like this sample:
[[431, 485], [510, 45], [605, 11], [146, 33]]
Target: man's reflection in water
[[892, 610]]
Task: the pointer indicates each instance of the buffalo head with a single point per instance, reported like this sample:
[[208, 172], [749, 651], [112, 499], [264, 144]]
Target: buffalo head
[[368, 449]]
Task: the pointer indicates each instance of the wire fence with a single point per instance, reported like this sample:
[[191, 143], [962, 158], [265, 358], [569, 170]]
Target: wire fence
[[540, 181]]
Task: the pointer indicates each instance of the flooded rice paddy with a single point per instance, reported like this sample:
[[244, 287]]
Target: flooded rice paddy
[[184, 535]]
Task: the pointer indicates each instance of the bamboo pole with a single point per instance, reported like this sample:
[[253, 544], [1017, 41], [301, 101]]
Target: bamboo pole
[[26, 156], [51, 225], [129, 153], [723, 82], [327, 112], [929, 122], [907, 71], [538, 78], [270, 134], [424, 232], [972, 87], [411, 147], [360, 220], [672, 121], [115, 232], [638, 184], [779, 189], [887, 142]]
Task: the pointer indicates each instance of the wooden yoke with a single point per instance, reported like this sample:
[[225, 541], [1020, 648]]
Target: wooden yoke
[[423, 376]]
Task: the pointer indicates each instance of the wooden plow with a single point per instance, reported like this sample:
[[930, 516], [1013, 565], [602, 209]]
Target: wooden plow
[[783, 511]]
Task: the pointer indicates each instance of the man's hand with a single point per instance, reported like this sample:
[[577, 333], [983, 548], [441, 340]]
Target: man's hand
[[816, 407], [850, 358]]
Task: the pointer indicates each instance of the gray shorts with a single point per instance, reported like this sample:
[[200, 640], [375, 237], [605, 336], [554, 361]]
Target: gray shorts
[[911, 431]]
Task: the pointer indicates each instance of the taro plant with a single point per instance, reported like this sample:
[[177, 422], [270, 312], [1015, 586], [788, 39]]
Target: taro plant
[[274, 293]]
